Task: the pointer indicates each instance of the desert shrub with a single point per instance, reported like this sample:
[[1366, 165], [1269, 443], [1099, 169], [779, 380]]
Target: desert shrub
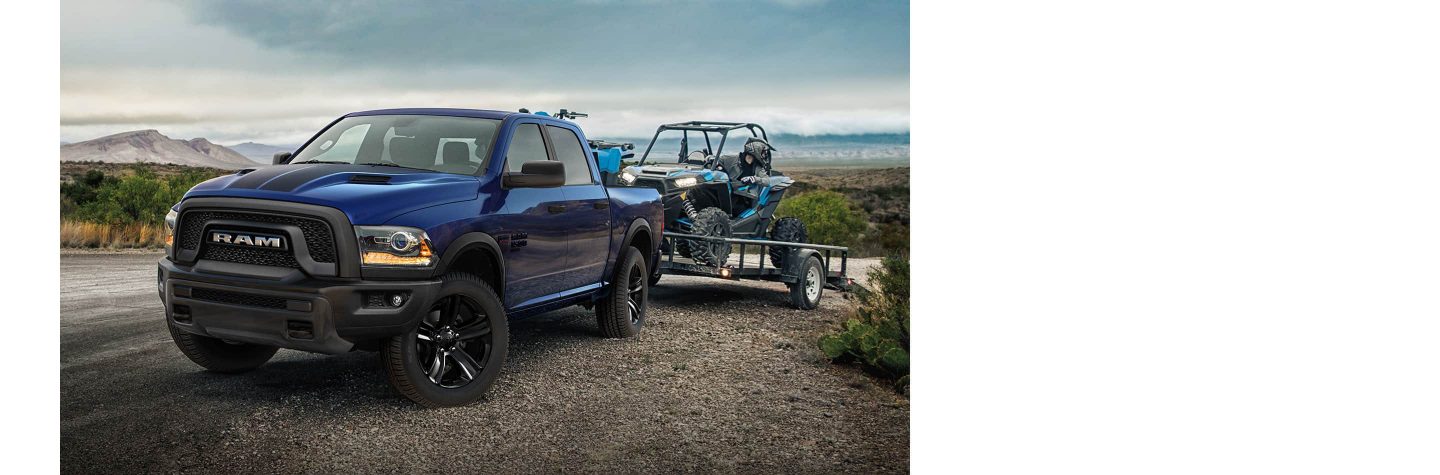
[[877, 334], [100, 210], [829, 217]]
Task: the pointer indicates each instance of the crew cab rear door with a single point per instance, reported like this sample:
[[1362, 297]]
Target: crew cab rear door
[[587, 208]]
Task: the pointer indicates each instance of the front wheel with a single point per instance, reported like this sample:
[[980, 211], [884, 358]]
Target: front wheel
[[622, 313], [454, 355], [805, 294], [713, 222]]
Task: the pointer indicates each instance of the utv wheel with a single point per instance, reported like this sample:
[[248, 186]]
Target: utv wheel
[[786, 229], [805, 294], [218, 355], [710, 222], [623, 313], [453, 356]]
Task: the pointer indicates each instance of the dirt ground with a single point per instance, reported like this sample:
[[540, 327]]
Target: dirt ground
[[725, 378]]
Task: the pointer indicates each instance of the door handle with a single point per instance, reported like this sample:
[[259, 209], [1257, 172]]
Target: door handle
[[556, 208], [602, 204]]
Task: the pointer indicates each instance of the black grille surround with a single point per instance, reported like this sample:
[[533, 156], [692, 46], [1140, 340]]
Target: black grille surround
[[236, 298], [319, 239]]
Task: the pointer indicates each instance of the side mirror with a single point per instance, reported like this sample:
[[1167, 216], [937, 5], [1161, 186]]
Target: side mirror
[[280, 158], [537, 174]]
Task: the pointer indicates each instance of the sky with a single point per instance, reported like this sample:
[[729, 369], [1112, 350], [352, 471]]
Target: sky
[[277, 71]]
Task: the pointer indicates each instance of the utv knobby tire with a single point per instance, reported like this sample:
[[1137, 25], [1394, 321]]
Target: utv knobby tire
[[787, 229], [219, 355], [710, 221], [622, 313], [402, 359], [805, 294]]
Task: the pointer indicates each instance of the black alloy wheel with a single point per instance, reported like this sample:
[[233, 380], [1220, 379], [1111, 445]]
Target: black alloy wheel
[[454, 342]]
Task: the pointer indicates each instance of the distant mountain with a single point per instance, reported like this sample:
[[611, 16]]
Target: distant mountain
[[150, 146], [260, 152]]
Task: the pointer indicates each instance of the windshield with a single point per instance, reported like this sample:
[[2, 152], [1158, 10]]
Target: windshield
[[458, 145]]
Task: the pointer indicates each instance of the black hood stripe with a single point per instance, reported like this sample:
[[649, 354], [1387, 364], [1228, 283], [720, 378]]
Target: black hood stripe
[[307, 173], [285, 178], [260, 176]]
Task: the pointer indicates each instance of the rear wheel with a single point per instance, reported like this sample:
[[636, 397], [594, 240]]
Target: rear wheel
[[805, 294], [715, 222], [623, 312], [454, 355], [786, 229], [221, 356]]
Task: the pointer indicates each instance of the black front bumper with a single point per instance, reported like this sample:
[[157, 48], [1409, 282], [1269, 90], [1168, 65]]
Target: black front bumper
[[289, 309]]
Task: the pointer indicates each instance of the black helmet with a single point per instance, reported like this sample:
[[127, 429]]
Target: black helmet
[[758, 148]]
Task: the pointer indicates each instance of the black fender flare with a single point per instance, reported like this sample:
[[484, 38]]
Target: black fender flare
[[471, 241], [637, 225]]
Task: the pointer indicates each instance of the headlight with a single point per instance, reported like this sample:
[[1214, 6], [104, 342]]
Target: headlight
[[686, 182], [170, 227], [393, 246], [627, 178]]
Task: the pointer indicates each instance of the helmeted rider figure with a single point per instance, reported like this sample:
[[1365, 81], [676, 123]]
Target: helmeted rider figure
[[753, 167]]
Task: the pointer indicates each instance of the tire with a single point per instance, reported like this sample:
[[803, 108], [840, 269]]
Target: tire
[[710, 221], [454, 354], [622, 313], [219, 355], [786, 229], [805, 294]]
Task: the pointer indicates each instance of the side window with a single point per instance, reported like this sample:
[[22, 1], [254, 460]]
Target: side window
[[525, 146], [569, 152]]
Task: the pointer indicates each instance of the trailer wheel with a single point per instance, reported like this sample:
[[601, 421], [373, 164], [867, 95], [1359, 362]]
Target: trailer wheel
[[787, 229], [805, 294], [710, 221]]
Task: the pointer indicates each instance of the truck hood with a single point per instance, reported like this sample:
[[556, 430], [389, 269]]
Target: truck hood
[[367, 194]]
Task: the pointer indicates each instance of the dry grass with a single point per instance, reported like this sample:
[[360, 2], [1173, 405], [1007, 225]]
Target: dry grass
[[84, 234]]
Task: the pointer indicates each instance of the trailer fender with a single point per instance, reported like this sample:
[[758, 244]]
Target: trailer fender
[[794, 263]]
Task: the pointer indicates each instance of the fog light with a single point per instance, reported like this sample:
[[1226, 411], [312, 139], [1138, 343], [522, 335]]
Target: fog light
[[397, 300]]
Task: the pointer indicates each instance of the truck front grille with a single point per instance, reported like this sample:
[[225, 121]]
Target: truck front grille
[[236, 298], [319, 239], [246, 255]]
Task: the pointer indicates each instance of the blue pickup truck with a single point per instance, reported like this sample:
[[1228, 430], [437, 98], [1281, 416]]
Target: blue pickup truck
[[412, 232]]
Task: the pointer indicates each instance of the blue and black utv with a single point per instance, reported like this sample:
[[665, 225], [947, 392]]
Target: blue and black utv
[[702, 188]]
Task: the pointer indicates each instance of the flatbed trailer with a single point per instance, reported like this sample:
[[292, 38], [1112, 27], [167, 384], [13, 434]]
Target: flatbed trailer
[[739, 267]]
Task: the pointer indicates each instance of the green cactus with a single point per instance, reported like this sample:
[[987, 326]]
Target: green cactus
[[877, 335]]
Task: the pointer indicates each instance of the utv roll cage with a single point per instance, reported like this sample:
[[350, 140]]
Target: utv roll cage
[[705, 128]]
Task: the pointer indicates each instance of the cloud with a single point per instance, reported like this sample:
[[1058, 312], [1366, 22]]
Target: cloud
[[280, 70]]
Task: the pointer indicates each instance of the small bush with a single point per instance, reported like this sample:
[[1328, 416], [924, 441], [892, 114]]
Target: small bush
[[829, 217], [123, 210], [877, 335]]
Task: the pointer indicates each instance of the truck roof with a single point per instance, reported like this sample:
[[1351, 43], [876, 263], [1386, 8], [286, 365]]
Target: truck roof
[[478, 113]]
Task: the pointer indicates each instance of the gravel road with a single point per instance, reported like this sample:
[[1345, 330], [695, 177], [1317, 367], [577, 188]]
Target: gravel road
[[725, 378]]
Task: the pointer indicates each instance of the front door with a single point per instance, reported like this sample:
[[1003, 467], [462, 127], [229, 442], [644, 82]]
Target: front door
[[534, 233]]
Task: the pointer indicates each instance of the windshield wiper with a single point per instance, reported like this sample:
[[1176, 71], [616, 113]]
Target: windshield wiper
[[385, 164], [321, 161]]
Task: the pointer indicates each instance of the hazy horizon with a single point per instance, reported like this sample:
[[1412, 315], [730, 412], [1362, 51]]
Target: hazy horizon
[[276, 72]]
